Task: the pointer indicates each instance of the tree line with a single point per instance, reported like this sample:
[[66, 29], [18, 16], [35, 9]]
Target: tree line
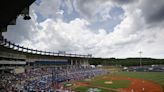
[[126, 62]]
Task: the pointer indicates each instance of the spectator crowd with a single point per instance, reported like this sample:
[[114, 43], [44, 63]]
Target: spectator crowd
[[45, 79]]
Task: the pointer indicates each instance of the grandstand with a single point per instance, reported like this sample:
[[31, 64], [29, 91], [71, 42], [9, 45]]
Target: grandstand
[[30, 69], [24, 69]]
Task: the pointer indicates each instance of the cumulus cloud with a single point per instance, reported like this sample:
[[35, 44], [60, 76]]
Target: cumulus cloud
[[91, 8], [49, 9], [152, 11], [124, 1], [141, 28]]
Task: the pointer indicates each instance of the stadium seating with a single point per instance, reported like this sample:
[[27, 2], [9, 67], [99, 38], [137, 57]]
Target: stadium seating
[[41, 79]]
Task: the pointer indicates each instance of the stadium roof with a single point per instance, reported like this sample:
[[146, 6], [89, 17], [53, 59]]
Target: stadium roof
[[10, 9]]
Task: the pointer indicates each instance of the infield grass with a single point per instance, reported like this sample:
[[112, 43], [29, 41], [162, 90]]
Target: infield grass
[[115, 83]]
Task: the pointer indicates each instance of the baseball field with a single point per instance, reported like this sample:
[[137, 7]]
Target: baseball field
[[122, 82]]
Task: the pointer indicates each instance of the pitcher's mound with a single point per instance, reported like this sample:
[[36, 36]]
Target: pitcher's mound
[[108, 82]]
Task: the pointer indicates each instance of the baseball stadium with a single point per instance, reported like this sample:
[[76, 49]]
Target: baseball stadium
[[67, 67]]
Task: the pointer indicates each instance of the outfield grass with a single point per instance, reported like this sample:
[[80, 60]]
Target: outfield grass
[[115, 84], [97, 82], [157, 77], [85, 89]]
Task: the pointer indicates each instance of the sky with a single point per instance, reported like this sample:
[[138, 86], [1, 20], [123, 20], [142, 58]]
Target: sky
[[103, 28]]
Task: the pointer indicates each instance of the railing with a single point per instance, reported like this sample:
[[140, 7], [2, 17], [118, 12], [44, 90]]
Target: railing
[[4, 42]]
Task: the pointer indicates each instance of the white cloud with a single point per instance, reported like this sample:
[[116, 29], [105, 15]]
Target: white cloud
[[91, 8], [131, 35], [49, 9]]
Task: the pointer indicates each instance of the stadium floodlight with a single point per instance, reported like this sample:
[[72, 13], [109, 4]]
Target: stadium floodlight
[[27, 17], [140, 52], [25, 13]]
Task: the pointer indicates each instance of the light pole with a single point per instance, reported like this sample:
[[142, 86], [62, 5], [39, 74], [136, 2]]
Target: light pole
[[140, 52], [52, 77]]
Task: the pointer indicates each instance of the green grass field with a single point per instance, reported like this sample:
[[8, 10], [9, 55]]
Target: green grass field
[[115, 84], [157, 77], [96, 81]]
